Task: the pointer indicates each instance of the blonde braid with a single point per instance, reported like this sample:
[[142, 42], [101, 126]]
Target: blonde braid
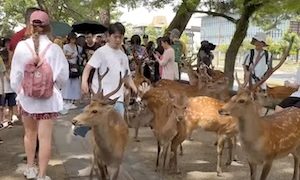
[[36, 42]]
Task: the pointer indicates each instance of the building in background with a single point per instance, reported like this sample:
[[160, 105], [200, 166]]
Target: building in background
[[220, 31]]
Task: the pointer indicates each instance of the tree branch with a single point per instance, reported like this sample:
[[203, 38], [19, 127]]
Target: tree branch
[[216, 14]]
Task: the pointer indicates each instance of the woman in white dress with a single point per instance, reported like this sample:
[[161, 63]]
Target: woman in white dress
[[71, 91]]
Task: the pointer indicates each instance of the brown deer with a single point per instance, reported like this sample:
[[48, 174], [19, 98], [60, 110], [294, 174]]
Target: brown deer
[[168, 111], [206, 85], [188, 68], [266, 138], [273, 96], [109, 132], [203, 112]]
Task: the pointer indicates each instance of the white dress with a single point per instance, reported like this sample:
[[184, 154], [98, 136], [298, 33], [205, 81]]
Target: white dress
[[71, 90], [56, 59]]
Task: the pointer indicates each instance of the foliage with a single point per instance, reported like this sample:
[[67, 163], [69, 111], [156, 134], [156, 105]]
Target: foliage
[[70, 11]]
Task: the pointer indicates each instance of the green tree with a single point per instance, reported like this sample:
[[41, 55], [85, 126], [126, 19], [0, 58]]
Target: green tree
[[246, 11]]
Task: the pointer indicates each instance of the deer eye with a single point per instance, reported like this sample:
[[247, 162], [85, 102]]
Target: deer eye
[[241, 101], [94, 111]]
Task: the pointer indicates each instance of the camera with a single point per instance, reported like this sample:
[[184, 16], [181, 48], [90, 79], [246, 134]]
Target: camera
[[207, 46]]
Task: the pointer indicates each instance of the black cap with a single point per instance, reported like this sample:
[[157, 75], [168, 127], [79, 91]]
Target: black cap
[[145, 36]]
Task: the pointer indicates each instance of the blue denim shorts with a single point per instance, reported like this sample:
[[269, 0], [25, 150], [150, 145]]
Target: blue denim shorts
[[83, 130]]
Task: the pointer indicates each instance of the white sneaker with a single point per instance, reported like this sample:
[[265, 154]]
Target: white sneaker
[[14, 118], [30, 172], [43, 178], [67, 106], [72, 106]]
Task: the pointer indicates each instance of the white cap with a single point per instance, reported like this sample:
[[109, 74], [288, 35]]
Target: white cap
[[261, 37]]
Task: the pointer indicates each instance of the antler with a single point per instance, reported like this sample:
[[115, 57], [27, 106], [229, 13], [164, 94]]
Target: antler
[[100, 77], [240, 85], [119, 85], [272, 70]]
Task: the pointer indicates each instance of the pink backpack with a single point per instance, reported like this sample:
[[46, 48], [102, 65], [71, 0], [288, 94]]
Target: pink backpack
[[38, 76]]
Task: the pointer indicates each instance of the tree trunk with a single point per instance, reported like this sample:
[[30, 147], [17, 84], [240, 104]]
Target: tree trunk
[[183, 15], [237, 40], [104, 16]]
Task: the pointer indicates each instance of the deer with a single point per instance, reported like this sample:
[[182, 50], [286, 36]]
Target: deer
[[203, 112], [109, 132], [202, 88], [273, 96], [130, 101], [167, 124], [265, 138]]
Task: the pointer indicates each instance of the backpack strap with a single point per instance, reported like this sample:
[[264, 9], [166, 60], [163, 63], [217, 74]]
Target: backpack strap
[[251, 57], [46, 49]]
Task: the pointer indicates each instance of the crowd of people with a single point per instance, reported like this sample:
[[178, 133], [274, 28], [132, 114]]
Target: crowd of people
[[44, 75], [46, 78]]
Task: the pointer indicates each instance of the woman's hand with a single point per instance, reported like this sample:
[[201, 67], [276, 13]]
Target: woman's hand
[[156, 56]]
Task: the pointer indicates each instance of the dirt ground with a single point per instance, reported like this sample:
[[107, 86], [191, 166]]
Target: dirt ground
[[199, 159]]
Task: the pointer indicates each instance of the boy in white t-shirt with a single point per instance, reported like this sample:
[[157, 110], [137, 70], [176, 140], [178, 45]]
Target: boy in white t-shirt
[[109, 56]]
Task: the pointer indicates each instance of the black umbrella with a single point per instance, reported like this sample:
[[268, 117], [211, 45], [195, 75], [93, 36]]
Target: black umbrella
[[89, 27]]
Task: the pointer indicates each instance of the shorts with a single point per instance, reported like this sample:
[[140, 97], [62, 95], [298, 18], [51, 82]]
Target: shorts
[[9, 99], [290, 101], [119, 107], [40, 116]]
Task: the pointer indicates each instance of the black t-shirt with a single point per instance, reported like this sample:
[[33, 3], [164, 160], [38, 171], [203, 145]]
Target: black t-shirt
[[89, 50]]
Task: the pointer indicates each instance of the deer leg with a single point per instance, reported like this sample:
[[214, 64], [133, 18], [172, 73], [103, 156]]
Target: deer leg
[[157, 157], [181, 150], [266, 169], [92, 169], [137, 133], [230, 146], [115, 172], [102, 170], [253, 170], [220, 147], [267, 111], [296, 168], [165, 155], [234, 143]]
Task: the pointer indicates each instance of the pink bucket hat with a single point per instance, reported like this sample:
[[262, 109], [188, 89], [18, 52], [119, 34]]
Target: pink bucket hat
[[39, 18]]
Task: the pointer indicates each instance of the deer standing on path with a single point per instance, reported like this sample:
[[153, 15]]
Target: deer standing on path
[[109, 132], [203, 112], [267, 138]]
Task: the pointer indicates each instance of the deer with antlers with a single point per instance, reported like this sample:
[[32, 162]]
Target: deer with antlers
[[266, 138], [109, 132]]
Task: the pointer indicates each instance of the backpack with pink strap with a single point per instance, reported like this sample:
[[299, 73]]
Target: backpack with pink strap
[[38, 76]]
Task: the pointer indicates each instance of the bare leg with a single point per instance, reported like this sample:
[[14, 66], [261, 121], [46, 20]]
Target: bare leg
[[45, 138], [31, 131]]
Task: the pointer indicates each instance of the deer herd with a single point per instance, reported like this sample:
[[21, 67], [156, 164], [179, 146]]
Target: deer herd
[[174, 109]]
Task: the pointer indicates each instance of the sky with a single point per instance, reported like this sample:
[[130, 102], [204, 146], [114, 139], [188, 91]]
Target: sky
[[144, 16]]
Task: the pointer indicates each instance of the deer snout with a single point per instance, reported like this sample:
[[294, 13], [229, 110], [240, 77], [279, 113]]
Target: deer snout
[[74, 122], [224, 112]]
